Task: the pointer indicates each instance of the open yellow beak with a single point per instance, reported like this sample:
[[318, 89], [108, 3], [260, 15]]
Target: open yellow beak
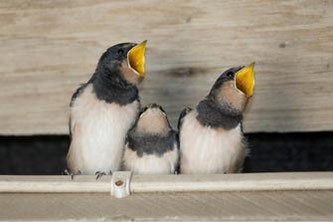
[[244, 80], [136, 58]]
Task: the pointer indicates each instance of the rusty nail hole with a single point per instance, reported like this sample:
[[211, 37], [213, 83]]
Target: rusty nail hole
[[119, 183]]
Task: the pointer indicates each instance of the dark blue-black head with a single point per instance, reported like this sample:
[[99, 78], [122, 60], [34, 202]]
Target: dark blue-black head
[[234, 87], [241, 78], [116, 53], [125, 59], [226, 76]]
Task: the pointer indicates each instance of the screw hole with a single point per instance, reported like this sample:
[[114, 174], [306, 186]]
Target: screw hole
[[119, 183]]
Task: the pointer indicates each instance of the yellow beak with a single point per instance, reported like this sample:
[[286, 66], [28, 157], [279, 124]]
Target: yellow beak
[[136, 58], [244, 80]]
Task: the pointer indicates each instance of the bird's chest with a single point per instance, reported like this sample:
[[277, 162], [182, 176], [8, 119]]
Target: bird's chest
[[151, 163], [102, 120], [209, 150], [99, 130]]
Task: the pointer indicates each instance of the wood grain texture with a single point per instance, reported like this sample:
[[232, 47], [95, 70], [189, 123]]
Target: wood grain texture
[[47, 48], [170, 183], [204, 206], [273, 197]]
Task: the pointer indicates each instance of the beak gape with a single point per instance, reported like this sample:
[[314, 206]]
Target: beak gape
[[244, 80], [136, 58]]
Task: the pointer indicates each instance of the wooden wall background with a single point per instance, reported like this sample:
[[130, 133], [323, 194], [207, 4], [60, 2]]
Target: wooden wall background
[[47, 48]]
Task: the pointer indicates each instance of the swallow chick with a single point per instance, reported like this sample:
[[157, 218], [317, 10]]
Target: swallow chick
[[151, 145], [104, 109], [210, 135]]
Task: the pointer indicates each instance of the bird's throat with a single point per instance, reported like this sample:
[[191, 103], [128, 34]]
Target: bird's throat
[[230, 95], [215, 115], [111, 87]]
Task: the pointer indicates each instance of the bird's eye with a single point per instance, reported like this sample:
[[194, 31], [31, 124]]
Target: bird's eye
[[229, 74], [120, 51]]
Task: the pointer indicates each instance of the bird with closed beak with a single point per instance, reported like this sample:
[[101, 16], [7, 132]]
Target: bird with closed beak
[[151, 145], [104, 109], [210, 136]]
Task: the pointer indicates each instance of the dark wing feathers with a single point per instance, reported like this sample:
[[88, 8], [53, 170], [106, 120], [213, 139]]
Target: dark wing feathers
[[182, 115], [74, 96], [77, 93]]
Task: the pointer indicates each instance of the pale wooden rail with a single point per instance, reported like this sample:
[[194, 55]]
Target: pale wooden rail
[[233, 197], [47, 48], [171, 183]]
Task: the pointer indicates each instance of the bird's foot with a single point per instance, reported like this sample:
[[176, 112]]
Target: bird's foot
[[72, 174], [99, 174], [65, 172]]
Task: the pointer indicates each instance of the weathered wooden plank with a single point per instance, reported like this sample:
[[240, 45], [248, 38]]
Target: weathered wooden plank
[[171, 183], [47, 48], [201, 206]]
